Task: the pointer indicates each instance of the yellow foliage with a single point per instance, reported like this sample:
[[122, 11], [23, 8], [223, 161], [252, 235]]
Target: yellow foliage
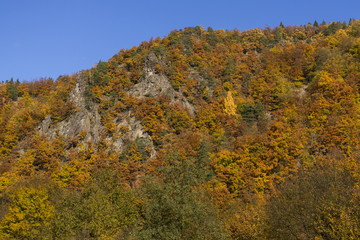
[[133, 154], [277, 49], [108, 123], [24, 165], [207, 121], [229, 105], [333, 41], [29, 213], [72, 174], [218, 134], [7, 179], [228, 168], [324, 79]]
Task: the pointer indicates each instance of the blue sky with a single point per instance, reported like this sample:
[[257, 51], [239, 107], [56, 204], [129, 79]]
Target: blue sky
[[48, 38]]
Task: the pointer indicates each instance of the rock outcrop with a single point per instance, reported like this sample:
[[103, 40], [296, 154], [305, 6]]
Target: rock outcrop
[[129, 129], [154, 84], [88, 122], [81, 121]]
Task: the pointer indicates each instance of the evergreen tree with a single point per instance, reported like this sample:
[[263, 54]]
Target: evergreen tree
[[99, 77], [12, 90], [351, 20], [202, 162]]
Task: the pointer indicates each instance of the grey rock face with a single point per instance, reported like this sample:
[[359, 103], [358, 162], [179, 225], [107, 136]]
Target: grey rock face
[[89, 122], [301, 91], [77, 94], [82, 120], [154, 84], [134, 130]]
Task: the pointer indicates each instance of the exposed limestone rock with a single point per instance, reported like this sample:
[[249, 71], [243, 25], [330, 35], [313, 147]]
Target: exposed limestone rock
[[82, 120], [195, 75], [129, 129], [154, 84], [77, 94], [45, 125], [88, 122], [301, 91]]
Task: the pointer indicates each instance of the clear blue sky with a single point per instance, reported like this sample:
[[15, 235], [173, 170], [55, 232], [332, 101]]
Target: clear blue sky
[[48, 38]]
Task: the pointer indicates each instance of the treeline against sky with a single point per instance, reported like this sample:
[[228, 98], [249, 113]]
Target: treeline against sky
[[270, 151]]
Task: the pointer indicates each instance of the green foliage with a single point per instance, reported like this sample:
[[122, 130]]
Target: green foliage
[[332, 28], [159, 50], [202, 161], [175, 208], [251, 113], [99, 76], [104, 209], [12, 90], [314, 205]]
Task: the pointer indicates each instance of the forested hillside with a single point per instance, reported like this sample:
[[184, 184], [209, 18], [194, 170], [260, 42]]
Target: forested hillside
[[203, 134]]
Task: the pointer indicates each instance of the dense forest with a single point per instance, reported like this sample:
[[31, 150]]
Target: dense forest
[[202, 134]]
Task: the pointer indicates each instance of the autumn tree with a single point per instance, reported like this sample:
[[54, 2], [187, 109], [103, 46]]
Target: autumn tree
[[103, 209], [29, 215], [313, 204], [175, 207]]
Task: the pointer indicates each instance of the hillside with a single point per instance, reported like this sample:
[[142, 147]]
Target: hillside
[[202, 134]]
